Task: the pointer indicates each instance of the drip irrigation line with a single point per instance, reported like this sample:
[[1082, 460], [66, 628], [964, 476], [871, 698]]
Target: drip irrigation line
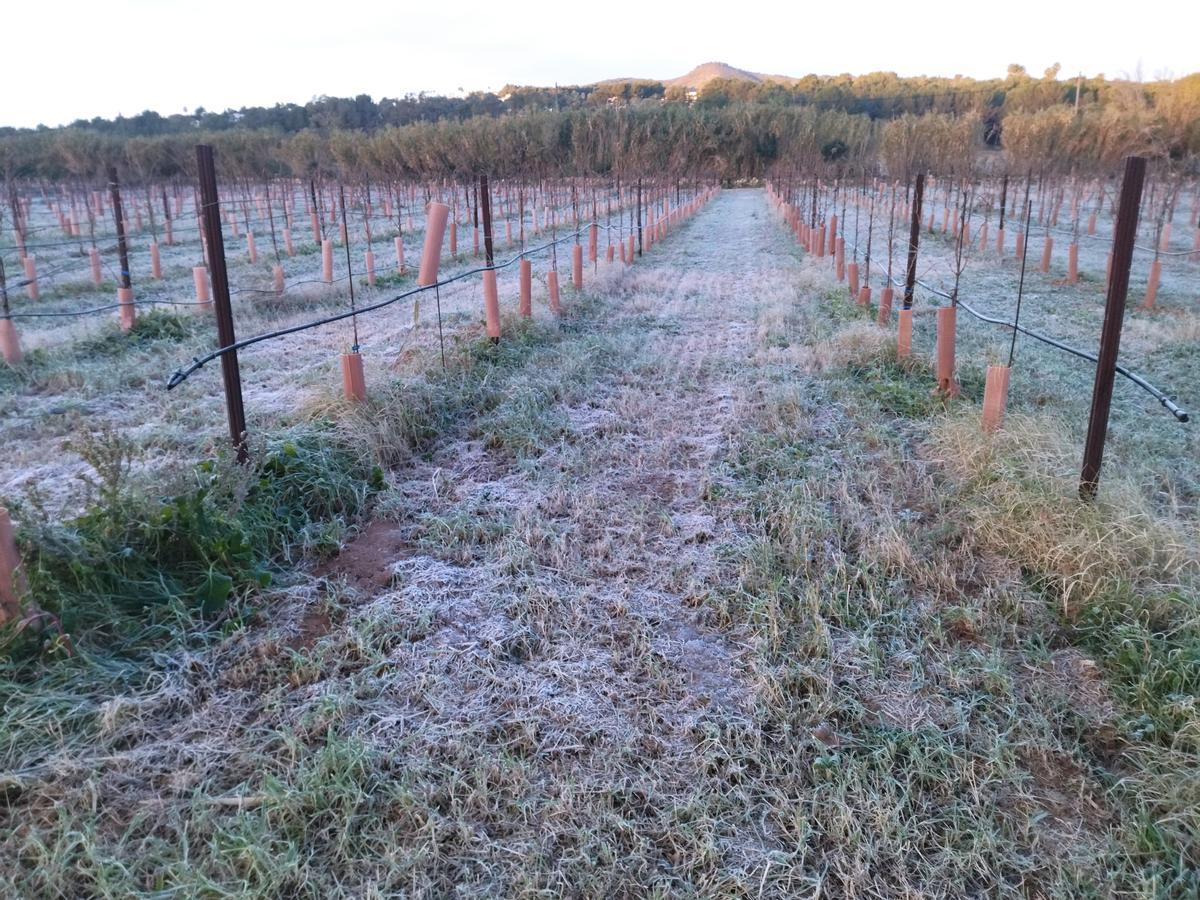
[[156, 302], [149, 301], [1165, 400], [183, 374]]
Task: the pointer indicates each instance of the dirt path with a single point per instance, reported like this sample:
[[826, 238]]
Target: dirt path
[[614, 531]]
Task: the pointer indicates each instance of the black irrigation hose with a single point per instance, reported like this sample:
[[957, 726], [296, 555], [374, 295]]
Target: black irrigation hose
[[149, 301], [182, 375], [1165, 400]]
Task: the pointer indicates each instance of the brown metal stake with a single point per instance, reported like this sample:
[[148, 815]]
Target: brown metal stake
[[122, 247], [485, 198], [639, 215], [1114, 319], [211, 216], [349, 266], [914, 237]]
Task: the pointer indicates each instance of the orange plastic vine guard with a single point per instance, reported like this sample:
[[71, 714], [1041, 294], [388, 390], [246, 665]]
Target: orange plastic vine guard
[[885, 306], [947, 320], [126, 308], [525, 278], [369, 262], [1152, 285], [1047, 250], [995, 397], [287, 242], [552, 285], [200, 281], [435, 232], [904, 333], [1073, 264], [155, 261], [10, 343], [277, 278], [327, 261], [577, 267], [354, 384], [31, 286], [853, 273], [12, 579], [491, 304]]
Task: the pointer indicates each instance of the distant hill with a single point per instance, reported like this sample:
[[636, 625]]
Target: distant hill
[[710, 71]]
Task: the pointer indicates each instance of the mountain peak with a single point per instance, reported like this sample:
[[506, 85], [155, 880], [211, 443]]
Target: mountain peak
[[710, 71]]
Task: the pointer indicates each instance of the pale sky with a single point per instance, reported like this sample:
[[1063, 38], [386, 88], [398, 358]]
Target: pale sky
[[69, 59]]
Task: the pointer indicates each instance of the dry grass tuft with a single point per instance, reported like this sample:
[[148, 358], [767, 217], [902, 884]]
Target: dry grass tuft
[[1021, 489], [856, 344]]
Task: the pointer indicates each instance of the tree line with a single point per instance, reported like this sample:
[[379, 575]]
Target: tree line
[[740, 139]]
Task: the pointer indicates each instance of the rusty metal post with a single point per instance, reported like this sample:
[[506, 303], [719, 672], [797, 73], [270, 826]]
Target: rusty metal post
[[485, 200], [639, 215], [914, 237], [122, 246], [211, 218], [1114, 318]]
